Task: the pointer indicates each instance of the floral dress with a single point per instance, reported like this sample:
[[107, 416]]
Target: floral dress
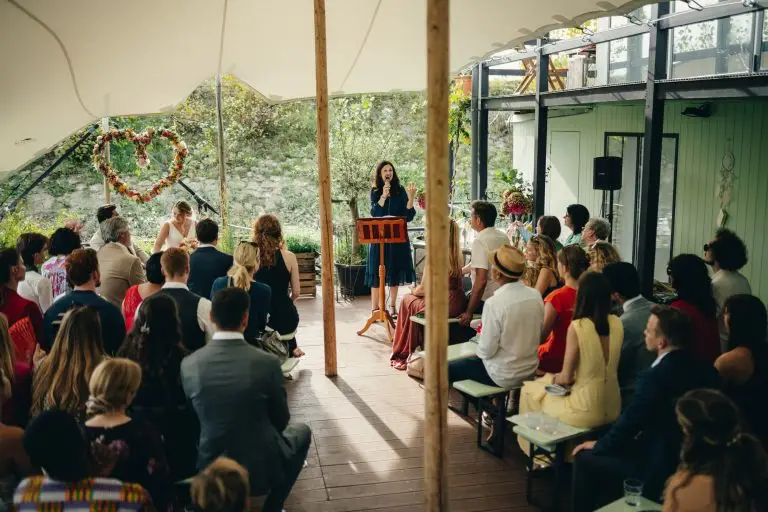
[[132, 452], [54, 270]]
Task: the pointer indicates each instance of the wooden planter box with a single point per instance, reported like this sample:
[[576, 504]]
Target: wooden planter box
[[307, 273]]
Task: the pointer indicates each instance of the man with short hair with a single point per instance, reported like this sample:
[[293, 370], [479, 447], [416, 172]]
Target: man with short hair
[[207, 263], [595, 229], [488, 239], [194, 310], [119, 267], [645, 441], [97, 240], [727, 254], [55, 443], [635, 357], [82, 267], [238, 393]]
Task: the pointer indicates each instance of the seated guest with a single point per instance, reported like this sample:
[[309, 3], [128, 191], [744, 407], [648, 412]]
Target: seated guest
[[744, 367], [590, 367], [194, 311], [139, 292], [645, 441], [63, 241], [722, 466], [278, 269], [60, 379], [512, 318], [727, 254], [549, 226], [689, 277], [238, 393], [594, 230], [14, 462], [408, 335], [246, 263], [541, 270], [15, 307], [97, 240], [221, 487], [83, 270], [488, 239], [125, 449], [207, 263], [635, 357], [15, 409], [572, 262], [34, 287], [154, 344], [56, 444], [601, 254], [118, 267], [576, 216]]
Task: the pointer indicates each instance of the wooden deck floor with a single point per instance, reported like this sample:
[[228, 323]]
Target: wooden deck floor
[[368, 431]]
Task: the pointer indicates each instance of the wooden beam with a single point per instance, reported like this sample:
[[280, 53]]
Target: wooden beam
[[324, 182], [222, 165], [104, 129], [436, 333]]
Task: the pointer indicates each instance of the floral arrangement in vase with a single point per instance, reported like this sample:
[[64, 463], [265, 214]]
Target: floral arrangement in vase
[[516, 205]]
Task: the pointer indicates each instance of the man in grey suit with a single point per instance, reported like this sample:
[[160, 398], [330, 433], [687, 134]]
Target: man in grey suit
[[635, 358], [239, 396]]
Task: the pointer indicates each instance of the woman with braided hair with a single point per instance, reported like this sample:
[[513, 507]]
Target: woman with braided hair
[[723, 468]]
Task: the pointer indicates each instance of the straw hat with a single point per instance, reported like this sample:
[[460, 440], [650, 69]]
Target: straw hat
[[509, 261]]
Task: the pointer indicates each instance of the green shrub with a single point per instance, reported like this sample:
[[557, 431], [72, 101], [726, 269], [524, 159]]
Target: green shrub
[[16, 223], [302, 241]]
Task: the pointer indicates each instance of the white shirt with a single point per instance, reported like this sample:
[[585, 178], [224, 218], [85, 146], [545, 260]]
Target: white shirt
[[658, 359], [725, 284], [200, 246], [228, 335], [509, 342], [203, 310], [487, 240], [36, 288]]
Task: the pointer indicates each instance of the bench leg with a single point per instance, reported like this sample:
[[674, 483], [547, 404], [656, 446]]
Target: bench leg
[[500, 426], [529, 480], [464, 405], [559, 465]]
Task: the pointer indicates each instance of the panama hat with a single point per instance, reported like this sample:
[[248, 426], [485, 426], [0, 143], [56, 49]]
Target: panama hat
[[509, 261]]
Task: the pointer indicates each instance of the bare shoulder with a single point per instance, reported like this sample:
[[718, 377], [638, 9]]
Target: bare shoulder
[[689, 492], [289, 257]]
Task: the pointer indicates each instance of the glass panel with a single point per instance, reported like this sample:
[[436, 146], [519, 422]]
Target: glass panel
[[739, 51], [666, 207], [624, 200], [764, 59], [628, 57], [693, 50]]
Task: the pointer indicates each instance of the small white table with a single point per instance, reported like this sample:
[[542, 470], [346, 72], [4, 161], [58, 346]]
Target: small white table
[[423, 321], [620, 506]]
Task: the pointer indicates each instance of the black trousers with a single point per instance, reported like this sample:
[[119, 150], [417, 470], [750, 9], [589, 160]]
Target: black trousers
[[598, 480], [299, 438]]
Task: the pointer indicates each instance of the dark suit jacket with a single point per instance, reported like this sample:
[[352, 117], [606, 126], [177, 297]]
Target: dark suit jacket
[[635, 357], [650, 419], [205, 265], [239, 396]]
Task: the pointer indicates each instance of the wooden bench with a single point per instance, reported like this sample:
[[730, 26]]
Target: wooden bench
[[288, 365], [483, 397], [421, 320], [551, 445]]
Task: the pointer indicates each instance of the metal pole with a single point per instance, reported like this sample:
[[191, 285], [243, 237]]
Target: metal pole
[[224, 216], [105, 129], [540, 139]]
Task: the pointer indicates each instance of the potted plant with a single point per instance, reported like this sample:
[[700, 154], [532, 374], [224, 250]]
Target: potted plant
[[306, 246], [350, 263]]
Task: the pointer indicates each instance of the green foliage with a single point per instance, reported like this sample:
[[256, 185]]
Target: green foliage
[[459, 116], [344, 251], [16, 223], [302, 241]]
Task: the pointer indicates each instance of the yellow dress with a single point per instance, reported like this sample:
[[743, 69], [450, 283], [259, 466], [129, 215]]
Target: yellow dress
[[594, 400]]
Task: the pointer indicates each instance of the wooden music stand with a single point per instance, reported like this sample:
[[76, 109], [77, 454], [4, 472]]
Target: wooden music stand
[[381, 230]]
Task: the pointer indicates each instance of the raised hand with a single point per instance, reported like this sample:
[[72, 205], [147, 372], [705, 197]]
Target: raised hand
[[411, 191]]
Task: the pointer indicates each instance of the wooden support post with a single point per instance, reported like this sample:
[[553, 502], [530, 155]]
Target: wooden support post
[[436, 333], [104, 129], [223, 210], [324, 182]]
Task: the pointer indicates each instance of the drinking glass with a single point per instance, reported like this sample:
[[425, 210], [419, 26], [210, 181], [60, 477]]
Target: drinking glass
[[633, 489], [549, 425]]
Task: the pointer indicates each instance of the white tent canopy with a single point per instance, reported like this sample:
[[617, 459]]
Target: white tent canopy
[[67, 64]]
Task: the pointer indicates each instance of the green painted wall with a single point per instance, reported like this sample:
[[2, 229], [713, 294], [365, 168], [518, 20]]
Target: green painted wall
[[738, 126]]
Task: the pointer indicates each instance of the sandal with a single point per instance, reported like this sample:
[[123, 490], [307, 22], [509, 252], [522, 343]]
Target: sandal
[[400, 365], [297, 352], [392, 312]]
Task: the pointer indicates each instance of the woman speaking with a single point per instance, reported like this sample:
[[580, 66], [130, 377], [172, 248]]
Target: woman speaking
[[389, 198]]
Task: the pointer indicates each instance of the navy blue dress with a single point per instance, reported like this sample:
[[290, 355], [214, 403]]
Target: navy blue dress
[[397, 257]]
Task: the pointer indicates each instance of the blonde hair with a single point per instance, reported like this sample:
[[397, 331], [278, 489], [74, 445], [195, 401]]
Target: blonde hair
[[182, 207], [268, 235], [246, 262], [61, 379], [547, 254], [455, 256], [601, 254], [221, 487], [7, 350], [113, 385]]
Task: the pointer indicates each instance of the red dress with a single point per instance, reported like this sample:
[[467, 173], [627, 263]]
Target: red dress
[[15, 307], [131, 303], [552, 351], [408, 335], [706, 337], [16, 410]]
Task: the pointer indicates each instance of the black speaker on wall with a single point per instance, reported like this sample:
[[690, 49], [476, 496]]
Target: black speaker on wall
[[607, 173]]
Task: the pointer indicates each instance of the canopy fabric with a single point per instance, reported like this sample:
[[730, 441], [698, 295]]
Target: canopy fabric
[[67, 64]]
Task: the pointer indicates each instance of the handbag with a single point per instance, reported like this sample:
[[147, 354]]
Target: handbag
[[271, 343], [24, 341], [415, 365]]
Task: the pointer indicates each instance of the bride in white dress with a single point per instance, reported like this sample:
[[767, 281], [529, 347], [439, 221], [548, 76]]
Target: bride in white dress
[[181, 227]]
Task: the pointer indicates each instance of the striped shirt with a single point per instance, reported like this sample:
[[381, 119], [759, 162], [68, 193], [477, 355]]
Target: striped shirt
[[89, 495]]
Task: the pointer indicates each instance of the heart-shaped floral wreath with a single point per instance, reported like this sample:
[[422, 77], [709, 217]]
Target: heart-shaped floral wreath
[[141, 141]]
